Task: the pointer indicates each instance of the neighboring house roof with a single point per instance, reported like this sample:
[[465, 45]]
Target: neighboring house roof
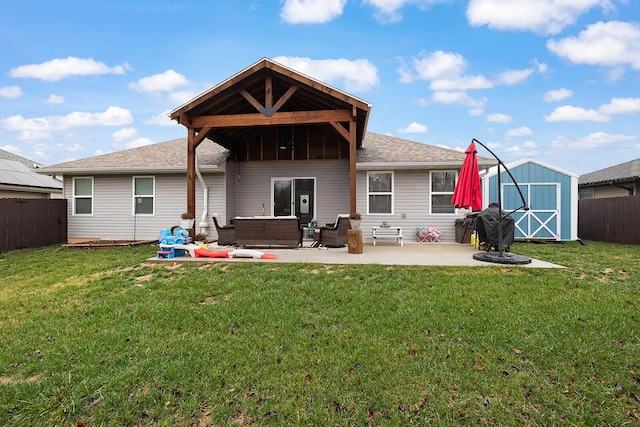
[[383, 151], [5, 155], [15, 175], [163, 157], [378, 152], [623, 172]]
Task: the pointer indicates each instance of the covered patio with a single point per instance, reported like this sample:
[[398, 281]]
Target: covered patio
[[268, 113]]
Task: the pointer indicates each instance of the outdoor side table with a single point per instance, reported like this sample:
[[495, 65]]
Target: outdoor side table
[[387, 232]]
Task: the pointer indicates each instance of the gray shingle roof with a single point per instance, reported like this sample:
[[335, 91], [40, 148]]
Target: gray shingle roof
[[169, 156], [378, 151], [623, 172], [385, 149]]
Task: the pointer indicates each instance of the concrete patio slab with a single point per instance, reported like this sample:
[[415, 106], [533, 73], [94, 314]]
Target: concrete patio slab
[[412, 253]]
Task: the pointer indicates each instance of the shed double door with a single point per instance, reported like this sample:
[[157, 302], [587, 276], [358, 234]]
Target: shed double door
[[542, 220]]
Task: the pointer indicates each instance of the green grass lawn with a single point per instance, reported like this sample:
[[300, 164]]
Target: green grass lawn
[[97, 337]]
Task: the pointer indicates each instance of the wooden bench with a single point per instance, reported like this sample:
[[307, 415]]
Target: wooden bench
[[387, 232]]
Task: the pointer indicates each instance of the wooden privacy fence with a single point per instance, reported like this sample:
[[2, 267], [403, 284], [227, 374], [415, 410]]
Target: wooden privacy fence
[[612, 220], [32, 223]]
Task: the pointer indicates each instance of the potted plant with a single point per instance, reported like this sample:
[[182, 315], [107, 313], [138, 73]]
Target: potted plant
[[187, 220], [200, 238], [355, 219]]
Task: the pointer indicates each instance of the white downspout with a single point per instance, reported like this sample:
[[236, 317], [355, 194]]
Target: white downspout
[[204, 225]]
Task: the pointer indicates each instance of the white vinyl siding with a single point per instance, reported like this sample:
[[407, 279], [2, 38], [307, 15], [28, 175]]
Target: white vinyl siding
[[83, 196], [143, 195], [443, 183], [411, 199], [380, 193], [253, 189], [113, 217]]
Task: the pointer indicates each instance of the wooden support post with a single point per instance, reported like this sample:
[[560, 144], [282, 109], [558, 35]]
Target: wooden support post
[[352, 162], [193, 141]]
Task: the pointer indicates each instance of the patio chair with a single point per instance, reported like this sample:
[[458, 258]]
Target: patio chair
[[335, 235], [226, 233]]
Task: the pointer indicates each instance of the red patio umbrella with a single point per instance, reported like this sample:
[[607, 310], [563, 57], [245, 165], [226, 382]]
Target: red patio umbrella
[[468, 191]]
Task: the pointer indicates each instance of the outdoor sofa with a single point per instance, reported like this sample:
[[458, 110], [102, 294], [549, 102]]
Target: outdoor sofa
[[268, 231]]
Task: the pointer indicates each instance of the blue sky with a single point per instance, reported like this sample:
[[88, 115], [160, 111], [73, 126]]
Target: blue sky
[[557, 80]]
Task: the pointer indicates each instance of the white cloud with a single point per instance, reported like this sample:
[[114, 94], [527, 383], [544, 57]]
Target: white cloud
[[541, 16], [608, 44], [459, 98], [499, 118], [513, 77], [414, 127], [75, 148], [388, 10], [54, 99], [621, 106], [136, 143], [10, 92], [614, 74], [182, 96], [356, 76], [161, 119], [58, 69], [31, 136], [11, 148], [557, 95], [439, 65], [163, 82], [518, 132], [311, 11], [594, 140], [113, 116], [124, 134], [445, 72], [528, 148], [570, 113], [461, 83]]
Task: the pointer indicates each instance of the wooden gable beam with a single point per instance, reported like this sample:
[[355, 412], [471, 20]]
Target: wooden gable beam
[[341, 130], [246, 95], [284, 118], [268, 110], [268, 92], [284, 98]]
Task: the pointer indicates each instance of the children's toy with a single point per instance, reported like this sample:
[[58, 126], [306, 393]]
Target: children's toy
[[251, 253], [207, 253], [174, 235], [428, 234], [175, 241]]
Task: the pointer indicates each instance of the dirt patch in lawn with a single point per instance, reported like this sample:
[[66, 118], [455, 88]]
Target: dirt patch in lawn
[[11, 380]]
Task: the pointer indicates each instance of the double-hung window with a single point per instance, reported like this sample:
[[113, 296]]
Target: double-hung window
[[442, 185], [380, 192], [83, 196], [143, 195]]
